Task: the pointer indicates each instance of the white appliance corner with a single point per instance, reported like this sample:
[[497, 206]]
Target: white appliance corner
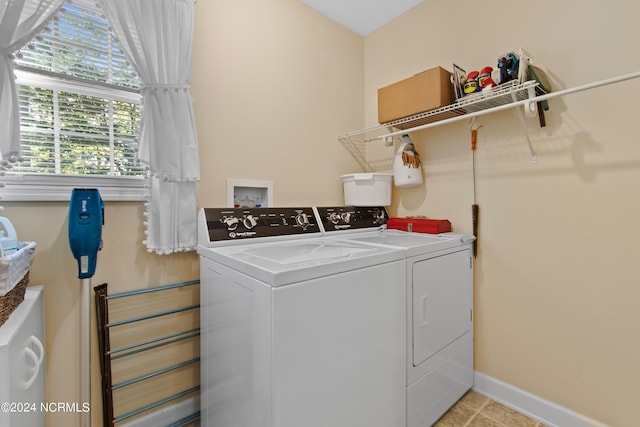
[[536, 407]]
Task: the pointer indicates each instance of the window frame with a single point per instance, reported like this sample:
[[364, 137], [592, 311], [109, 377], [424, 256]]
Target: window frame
[[24, 186], [31, 187]]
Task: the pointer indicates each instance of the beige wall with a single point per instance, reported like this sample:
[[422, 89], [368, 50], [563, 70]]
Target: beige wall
[[274, 83], [558, 270]]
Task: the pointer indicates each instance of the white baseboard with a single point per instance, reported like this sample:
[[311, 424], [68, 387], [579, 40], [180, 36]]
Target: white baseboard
[[540, 409], [167, 415]]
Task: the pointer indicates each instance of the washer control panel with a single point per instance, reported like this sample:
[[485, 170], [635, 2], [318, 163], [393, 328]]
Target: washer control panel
[[344, 218], [225, 224]]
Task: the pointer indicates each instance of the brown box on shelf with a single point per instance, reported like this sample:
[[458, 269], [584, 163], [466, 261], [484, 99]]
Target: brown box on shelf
[[424, 91]]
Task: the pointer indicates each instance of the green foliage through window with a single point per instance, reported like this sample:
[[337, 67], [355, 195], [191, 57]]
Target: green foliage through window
[[79, 99]]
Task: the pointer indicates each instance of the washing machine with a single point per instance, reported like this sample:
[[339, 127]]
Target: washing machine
[[298, 329], [439, 298]]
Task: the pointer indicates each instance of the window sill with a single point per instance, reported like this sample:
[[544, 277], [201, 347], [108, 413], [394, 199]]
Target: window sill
[[34, 187]]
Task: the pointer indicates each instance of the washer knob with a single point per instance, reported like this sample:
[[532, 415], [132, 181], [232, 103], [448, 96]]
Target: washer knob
[[302, 220], [231, 223], [249, 221]]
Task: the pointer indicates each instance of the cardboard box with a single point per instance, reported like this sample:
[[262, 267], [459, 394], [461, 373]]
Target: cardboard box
[[425, 91]]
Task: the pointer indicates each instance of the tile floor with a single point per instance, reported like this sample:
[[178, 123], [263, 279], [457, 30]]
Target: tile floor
[[476, 410]]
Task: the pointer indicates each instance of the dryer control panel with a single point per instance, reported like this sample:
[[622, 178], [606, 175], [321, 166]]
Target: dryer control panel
[[231, 224], [345, 218]]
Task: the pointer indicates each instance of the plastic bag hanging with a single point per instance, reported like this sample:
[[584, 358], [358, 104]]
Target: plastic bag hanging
[[407, 170]]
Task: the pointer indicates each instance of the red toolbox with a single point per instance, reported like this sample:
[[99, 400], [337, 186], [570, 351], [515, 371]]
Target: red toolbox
[[419, 225]]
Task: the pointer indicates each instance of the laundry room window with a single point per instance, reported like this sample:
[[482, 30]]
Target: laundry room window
[[79, 112]]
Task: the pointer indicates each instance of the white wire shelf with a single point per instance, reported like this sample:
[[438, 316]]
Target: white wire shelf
[[495, 97], [373, 147]]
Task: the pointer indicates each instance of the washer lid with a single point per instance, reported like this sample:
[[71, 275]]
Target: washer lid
[[413, 243], [285, 262]]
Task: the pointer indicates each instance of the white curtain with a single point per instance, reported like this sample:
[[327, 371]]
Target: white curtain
[[157, 36], [20, 21]]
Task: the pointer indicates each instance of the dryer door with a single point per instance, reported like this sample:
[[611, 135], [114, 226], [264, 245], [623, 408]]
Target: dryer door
[[442, 302]]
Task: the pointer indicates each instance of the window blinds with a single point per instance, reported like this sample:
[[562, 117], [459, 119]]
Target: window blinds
[[79, 99]]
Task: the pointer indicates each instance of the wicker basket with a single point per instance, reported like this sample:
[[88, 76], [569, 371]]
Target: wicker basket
[[15, 266], [14, 278], [12, 299]]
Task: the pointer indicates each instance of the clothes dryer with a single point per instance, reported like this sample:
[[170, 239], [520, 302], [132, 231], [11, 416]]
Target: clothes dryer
[[439, 290]]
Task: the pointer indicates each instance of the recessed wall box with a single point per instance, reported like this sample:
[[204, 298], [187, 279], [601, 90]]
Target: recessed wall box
[[249, 194]]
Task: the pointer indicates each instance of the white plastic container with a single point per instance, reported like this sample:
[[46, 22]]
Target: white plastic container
[[367, 189], [406, 175]]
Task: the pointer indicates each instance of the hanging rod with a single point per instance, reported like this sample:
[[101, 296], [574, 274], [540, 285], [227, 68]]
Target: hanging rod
[[152, 316], [155, 373], [146, 345], [153, 289], [185, 421], [155, 404], [529, 103]]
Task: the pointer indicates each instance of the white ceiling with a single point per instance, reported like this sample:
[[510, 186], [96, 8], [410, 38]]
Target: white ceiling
[[362, 16]]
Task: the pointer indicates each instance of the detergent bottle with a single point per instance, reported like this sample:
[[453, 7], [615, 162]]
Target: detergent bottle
[[407, 170]]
